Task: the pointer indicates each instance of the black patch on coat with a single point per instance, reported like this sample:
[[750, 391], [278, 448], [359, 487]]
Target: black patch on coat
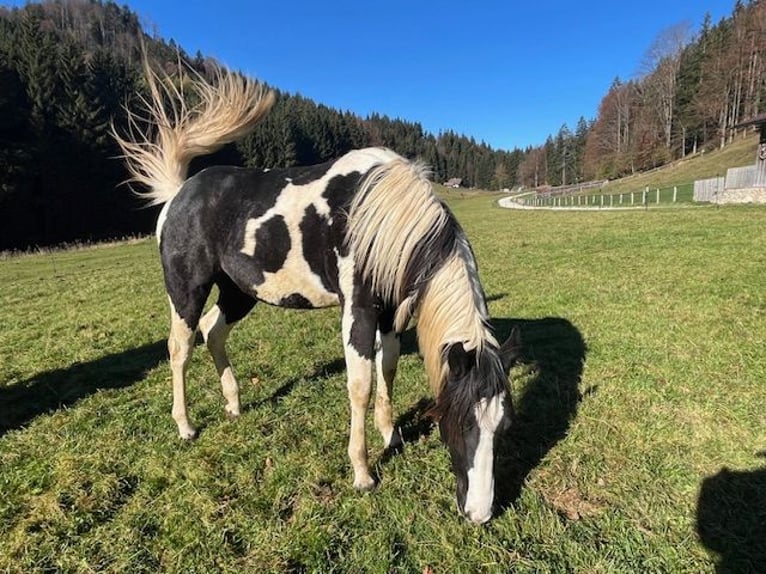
[[386, 321], [339, 192], [272, 244], [233, 303], [364, 322], [305, 175], [318, 248], [321, 237], [340, 189], [295, 301]]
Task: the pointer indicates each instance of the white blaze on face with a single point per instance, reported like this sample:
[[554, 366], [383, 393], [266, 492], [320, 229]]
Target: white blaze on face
[[481, 479]]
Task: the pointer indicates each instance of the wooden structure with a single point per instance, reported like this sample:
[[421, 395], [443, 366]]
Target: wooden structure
[[760, 159]]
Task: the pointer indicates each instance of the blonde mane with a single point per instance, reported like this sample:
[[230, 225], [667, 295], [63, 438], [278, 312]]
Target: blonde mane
[[452, 310], [417, 258]]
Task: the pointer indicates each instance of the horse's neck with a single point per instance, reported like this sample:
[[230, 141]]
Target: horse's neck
[[452, 310]]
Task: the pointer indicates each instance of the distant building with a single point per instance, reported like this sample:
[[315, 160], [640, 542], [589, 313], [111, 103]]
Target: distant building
[[454, 182]]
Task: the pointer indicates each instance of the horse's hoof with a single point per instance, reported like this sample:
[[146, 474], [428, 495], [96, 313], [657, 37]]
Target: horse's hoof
[[396, 442], [364, 485], [187, 434], [231, 415]]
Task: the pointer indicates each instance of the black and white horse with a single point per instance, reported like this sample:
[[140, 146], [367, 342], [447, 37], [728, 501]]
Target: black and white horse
[[364, 232]]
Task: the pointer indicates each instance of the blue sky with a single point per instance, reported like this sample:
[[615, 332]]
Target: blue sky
[[506, 72]]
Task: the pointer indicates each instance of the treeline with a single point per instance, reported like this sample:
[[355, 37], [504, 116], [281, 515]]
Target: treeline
[[691, 93], [68, 67]]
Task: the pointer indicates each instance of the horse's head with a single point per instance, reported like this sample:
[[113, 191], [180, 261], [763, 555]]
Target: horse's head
[[474, 409]]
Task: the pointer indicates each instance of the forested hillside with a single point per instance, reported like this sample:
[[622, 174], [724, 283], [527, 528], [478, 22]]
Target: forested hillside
[[67, 68], [691, 90]]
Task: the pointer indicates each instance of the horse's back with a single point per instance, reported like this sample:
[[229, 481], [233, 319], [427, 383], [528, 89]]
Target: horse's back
[[277, 234]]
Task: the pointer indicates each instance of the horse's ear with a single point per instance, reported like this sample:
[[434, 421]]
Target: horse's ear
[[460, 360], [510, 350]]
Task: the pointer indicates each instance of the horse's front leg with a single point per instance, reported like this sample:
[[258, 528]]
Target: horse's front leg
[[359, 327]]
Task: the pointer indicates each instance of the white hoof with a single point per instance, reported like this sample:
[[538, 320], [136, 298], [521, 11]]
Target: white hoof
[[187, 432], [364, 483]]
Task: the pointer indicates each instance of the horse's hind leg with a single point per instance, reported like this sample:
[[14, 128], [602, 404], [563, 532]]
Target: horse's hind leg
[[180, 346], [215, 326], [386, 360]]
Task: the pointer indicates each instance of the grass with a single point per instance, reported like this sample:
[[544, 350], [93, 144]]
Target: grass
[[640, 415]]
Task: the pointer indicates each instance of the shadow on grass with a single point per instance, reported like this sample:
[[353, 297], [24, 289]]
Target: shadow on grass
[[555, 351], [731, 519], [324, 370], [22, 402]]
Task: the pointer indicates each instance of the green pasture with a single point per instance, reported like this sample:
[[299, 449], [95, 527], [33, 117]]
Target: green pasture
[[637, 445]]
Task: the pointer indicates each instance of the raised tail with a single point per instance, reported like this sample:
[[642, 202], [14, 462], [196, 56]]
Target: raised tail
[[228, 109]]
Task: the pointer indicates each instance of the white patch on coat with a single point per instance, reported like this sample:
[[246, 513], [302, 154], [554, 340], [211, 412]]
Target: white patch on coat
[[180, 347], [161, 220], [481, 479], [359, 382], [215, 331], [296, 275]]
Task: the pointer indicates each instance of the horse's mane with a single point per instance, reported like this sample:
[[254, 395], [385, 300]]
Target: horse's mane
[[417, 258]]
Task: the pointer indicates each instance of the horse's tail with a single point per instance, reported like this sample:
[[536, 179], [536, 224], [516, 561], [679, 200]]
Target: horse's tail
[[159, 157], [400, 233]]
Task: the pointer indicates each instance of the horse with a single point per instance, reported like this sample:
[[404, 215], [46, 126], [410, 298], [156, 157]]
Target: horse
[[364, 232]]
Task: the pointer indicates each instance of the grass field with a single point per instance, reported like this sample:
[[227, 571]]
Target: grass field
[[637, 445]]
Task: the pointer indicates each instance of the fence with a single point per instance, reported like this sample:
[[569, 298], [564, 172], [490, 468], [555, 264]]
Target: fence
[[741, 185], [708, 189], [645, 198], [741, 177], [572, 189]]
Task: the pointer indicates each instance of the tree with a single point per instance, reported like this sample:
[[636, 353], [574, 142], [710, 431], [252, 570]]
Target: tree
[[661, 65]]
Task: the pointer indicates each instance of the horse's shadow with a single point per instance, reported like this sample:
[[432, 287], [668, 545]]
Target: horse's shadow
[[21, 402], [731, 519], [553, 353]]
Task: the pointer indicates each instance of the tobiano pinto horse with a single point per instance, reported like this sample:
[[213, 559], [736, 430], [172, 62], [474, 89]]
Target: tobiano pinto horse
[[364, 232]]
